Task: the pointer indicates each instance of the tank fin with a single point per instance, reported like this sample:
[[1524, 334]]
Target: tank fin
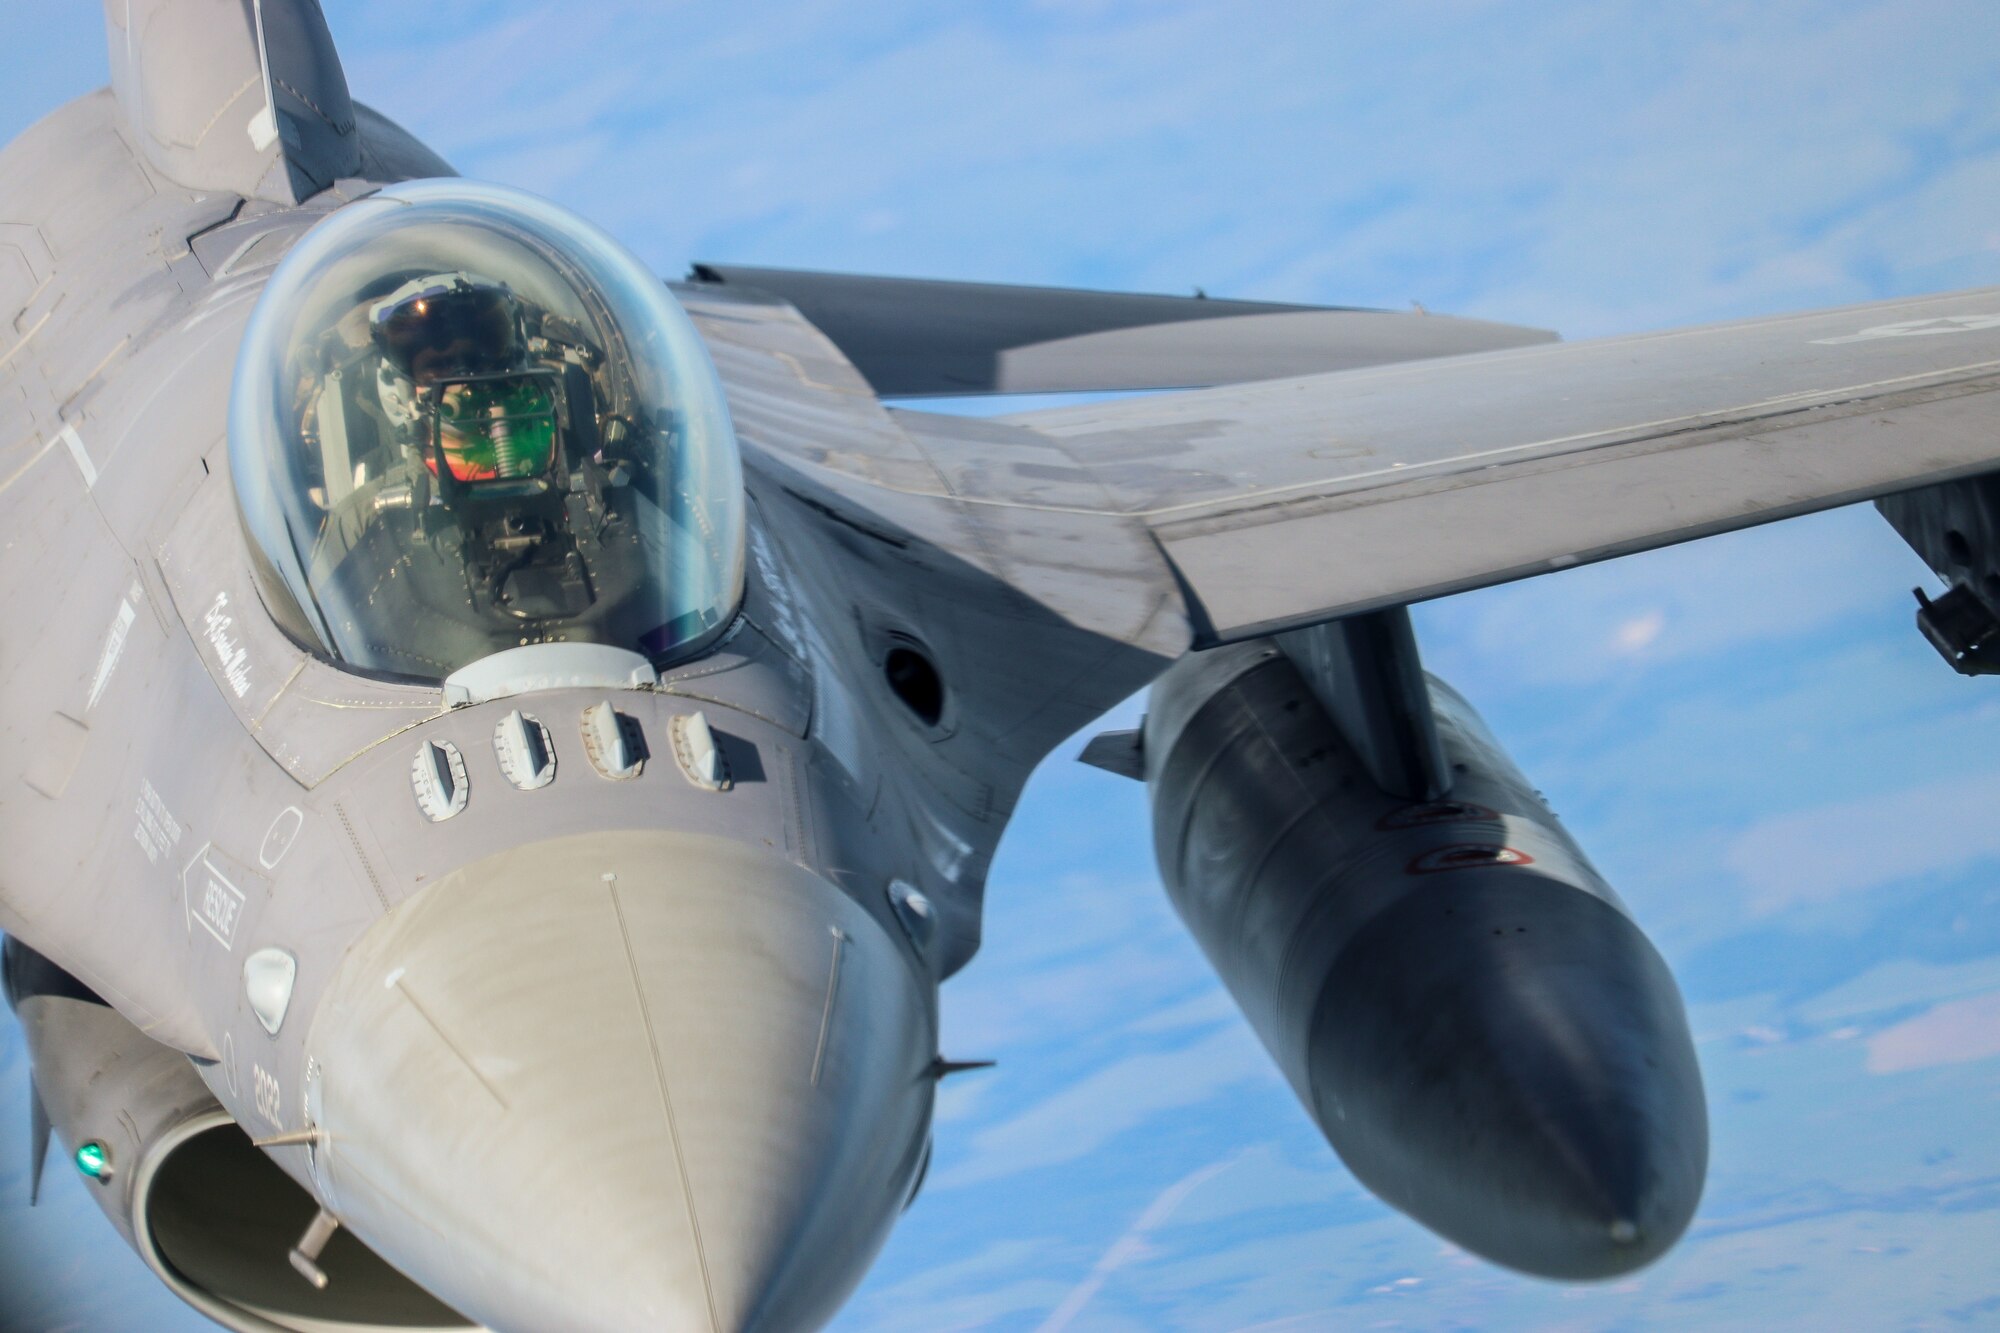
[[1120, 752], [38, 1140], [1366, 672], [243, 96]]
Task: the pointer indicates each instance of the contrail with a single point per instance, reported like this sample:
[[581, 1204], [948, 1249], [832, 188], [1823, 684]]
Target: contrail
[[1131, 1245]]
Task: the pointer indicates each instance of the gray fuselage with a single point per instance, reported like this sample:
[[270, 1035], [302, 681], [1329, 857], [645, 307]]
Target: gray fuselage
[[192, 787]]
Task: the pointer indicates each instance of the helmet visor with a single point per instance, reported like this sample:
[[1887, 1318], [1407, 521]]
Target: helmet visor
[[459, 329]]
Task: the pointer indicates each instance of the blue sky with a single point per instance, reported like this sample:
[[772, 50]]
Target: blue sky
[[1795, 796]]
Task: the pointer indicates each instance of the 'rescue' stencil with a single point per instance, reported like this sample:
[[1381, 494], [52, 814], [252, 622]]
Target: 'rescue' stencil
[[209, 889]]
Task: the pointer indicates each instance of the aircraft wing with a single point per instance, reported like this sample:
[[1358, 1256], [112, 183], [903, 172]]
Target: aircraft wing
[[915, 337], [1287, 502]]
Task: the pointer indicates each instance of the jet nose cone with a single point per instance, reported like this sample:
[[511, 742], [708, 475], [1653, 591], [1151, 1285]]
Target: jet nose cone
[[1511, 1066], [635, 1081]]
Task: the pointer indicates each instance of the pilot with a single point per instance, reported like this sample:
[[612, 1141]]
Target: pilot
[[455, 377], [476, 522]]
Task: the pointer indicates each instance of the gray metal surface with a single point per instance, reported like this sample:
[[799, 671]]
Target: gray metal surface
[[195, 790], [1365, 672], [641, 1080], [1433, 477], [173, 1155], [103, 1081], [858, 548], [234, 95], [1955, 528], [913, 337]]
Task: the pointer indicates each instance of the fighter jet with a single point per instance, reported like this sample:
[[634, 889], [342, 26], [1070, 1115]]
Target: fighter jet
[[501, 749]]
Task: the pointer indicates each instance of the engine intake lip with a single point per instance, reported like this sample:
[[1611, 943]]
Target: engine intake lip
[[360, 1309], [143, 1180]]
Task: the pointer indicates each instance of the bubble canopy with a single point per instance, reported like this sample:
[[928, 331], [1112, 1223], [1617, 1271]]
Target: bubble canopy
[[464, 421]]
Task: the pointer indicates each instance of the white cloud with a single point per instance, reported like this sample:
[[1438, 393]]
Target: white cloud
[[1635, 635], [1725, 594], [1131, 1245], [1955, 1032], [1093, 1111], [1826, 853], [1206, 1009], [1075, 958], [1618, 167], [1901, 983], [968, 1291]]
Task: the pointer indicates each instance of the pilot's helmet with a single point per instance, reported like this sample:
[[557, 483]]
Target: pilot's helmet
[[455, 377], [450, 324]]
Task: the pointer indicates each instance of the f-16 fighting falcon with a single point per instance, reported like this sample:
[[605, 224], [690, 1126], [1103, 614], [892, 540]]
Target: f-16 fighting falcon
[[500, 750]]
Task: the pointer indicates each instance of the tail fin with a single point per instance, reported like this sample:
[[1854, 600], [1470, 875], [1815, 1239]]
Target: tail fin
[[245, 96]]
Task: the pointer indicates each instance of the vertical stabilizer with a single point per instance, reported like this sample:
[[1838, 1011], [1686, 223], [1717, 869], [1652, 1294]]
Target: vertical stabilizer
[[245, 96]]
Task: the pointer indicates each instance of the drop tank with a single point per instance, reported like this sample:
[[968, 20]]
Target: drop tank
[[1462, 1003]]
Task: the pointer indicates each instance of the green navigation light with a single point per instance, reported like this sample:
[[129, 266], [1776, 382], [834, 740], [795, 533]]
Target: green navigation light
[[94, 1160]]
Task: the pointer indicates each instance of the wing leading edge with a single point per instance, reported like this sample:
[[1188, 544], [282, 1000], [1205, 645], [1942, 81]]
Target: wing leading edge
[[1285, 503]]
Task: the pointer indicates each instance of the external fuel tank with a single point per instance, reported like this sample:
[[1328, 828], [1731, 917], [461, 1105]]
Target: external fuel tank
[[1465, 1007]]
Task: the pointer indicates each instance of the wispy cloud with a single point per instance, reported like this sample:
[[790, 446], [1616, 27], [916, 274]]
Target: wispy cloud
[[1955, 1032], [1900, 984], [1613, 622], [1089, 954], [1095, 1110], [1603, 169], [1130, 1245], [1822, 854]]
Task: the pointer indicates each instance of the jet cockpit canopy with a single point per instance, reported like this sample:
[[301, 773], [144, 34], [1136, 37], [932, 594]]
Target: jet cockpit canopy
[[466, 421]]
